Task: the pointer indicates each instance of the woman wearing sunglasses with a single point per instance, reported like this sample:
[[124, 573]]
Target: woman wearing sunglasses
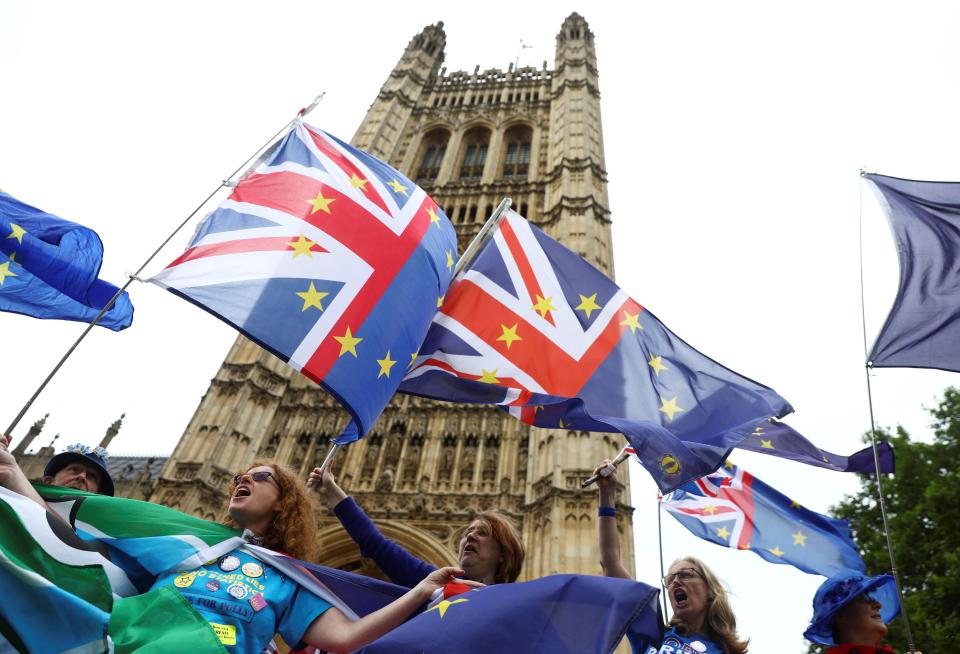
[[247, 602], [851, 612], [702, 620]]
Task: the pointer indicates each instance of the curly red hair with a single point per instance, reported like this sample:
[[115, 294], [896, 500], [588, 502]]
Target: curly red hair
[[294, 527]]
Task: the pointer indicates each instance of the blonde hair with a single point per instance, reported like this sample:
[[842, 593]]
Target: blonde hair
[[720, 623]]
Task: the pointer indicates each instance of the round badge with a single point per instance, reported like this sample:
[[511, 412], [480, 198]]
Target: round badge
[[252, 569], [183, 581], [239, 591], [697, 646], [229, 563], [213, 585]]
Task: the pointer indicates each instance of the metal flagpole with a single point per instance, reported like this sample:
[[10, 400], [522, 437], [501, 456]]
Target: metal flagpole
[[663, 595], [135, 276], [873, 441], [467, 256]]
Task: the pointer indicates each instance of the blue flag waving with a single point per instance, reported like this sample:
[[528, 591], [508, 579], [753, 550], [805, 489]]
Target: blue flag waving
[[49, 268], [318, 249], [734, 509], [535, 328], [923, 327]]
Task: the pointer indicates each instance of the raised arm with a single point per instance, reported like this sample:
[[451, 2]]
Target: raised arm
[[12, 477], [607, 523], [397, 563]]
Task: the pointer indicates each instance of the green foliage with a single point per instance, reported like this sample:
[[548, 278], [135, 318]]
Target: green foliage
[[923, 507]]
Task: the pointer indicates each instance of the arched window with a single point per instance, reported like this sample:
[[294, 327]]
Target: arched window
[[432, 149], [475, 144], [516, 157]]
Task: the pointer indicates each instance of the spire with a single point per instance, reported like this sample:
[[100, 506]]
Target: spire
[[112, 431], [34, 431]]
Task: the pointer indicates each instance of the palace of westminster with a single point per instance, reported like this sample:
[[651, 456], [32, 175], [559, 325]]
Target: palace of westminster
[[469, 139]]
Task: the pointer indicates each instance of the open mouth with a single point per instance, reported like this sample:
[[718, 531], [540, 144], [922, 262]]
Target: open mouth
[[469, 548], [242, 491], [680, 596]]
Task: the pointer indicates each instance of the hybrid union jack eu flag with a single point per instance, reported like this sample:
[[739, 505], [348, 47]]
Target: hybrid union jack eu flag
[[735, 509], [533, 327], [328, 258]]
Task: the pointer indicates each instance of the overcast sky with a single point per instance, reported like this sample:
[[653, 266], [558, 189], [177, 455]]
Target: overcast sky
[[734, 137]]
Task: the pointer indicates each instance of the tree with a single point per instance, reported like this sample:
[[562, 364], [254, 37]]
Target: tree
[[923, 507]]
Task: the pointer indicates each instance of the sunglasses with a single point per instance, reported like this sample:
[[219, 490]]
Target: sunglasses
[[259, 475], [683, 575]]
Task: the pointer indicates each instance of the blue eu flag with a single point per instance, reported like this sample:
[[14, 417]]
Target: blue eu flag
[[49, 268]]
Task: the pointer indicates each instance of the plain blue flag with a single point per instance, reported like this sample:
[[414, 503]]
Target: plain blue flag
[[49, 268], [923, 327]]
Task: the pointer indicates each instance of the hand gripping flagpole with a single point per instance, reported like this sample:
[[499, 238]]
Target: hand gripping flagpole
[[136, 276], [873, 442], [498, 214]]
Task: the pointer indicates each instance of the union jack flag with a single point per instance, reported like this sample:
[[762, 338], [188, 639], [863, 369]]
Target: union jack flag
[[734, 509], [328, 258], [533, 327]]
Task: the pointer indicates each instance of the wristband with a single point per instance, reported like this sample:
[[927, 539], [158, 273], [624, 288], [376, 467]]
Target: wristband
[[607, 512]]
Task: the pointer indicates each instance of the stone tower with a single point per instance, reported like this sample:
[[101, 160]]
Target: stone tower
[[469, 139]]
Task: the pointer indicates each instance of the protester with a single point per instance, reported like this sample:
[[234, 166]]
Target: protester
[[702, 619], [491, 550], [79, 467], [851, 612]]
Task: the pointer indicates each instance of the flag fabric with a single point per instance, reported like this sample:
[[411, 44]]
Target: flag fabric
[[316, 250], [576, 614], [533, 327], [49, 268], [923, 327], [734, 509]]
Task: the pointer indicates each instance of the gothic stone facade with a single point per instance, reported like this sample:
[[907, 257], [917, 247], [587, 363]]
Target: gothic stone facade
[[469, 139]]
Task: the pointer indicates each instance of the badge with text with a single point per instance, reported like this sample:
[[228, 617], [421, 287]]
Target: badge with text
[[257, 602], [184, 580], [213, 585], [227, 633], [238, 591], [252, 569]]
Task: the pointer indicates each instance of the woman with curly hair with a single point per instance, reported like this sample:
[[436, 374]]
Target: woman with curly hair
[[702, 619], [247, 601]]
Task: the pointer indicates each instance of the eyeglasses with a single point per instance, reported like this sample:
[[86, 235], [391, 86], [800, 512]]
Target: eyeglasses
[[683, 575], [259, 475]]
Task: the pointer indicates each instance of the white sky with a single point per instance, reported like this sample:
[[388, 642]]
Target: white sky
[[734, 135]]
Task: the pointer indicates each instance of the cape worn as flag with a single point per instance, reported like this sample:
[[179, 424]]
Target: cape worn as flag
[[328, 258], [559, 614], [923, 327], [49, 268], [533, 327], [734, 509]]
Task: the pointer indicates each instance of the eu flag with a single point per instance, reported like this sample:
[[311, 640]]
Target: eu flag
[[923, 327], [559, 614], [49, 268], [734, 509]]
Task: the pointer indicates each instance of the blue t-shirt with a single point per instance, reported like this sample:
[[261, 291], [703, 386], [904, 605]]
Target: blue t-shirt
[[247, 601], [674, 643]]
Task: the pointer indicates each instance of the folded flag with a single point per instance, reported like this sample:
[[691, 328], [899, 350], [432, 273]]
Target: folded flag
[[734, 509], [319, 247], [558, 614], [923, 327], [49, 268], [535, 328]]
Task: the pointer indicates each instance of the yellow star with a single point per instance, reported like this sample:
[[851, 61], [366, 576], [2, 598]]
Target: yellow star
[[795, 504], [13, 257], [17, 232], [631, 321], [413, 357], [386, 364], [799, 538], [320, 203], [489, 377], [311, 298], [398, 187], [5, 272], [588, 304], [440, 301], [776, 551], [710, 509], [728, 464], [561, 423], [723, 533], [544, 305], [449, 259], [348, 343], [509, 335], [356, 182], [443, 605], [670, 407], [657, 364], [302, 245], [434, 218], [766, 445]]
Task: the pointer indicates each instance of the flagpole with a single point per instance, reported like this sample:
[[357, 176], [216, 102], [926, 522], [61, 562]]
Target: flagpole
[[873, 440], [663, 595], [135, 276], [498, 214]]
